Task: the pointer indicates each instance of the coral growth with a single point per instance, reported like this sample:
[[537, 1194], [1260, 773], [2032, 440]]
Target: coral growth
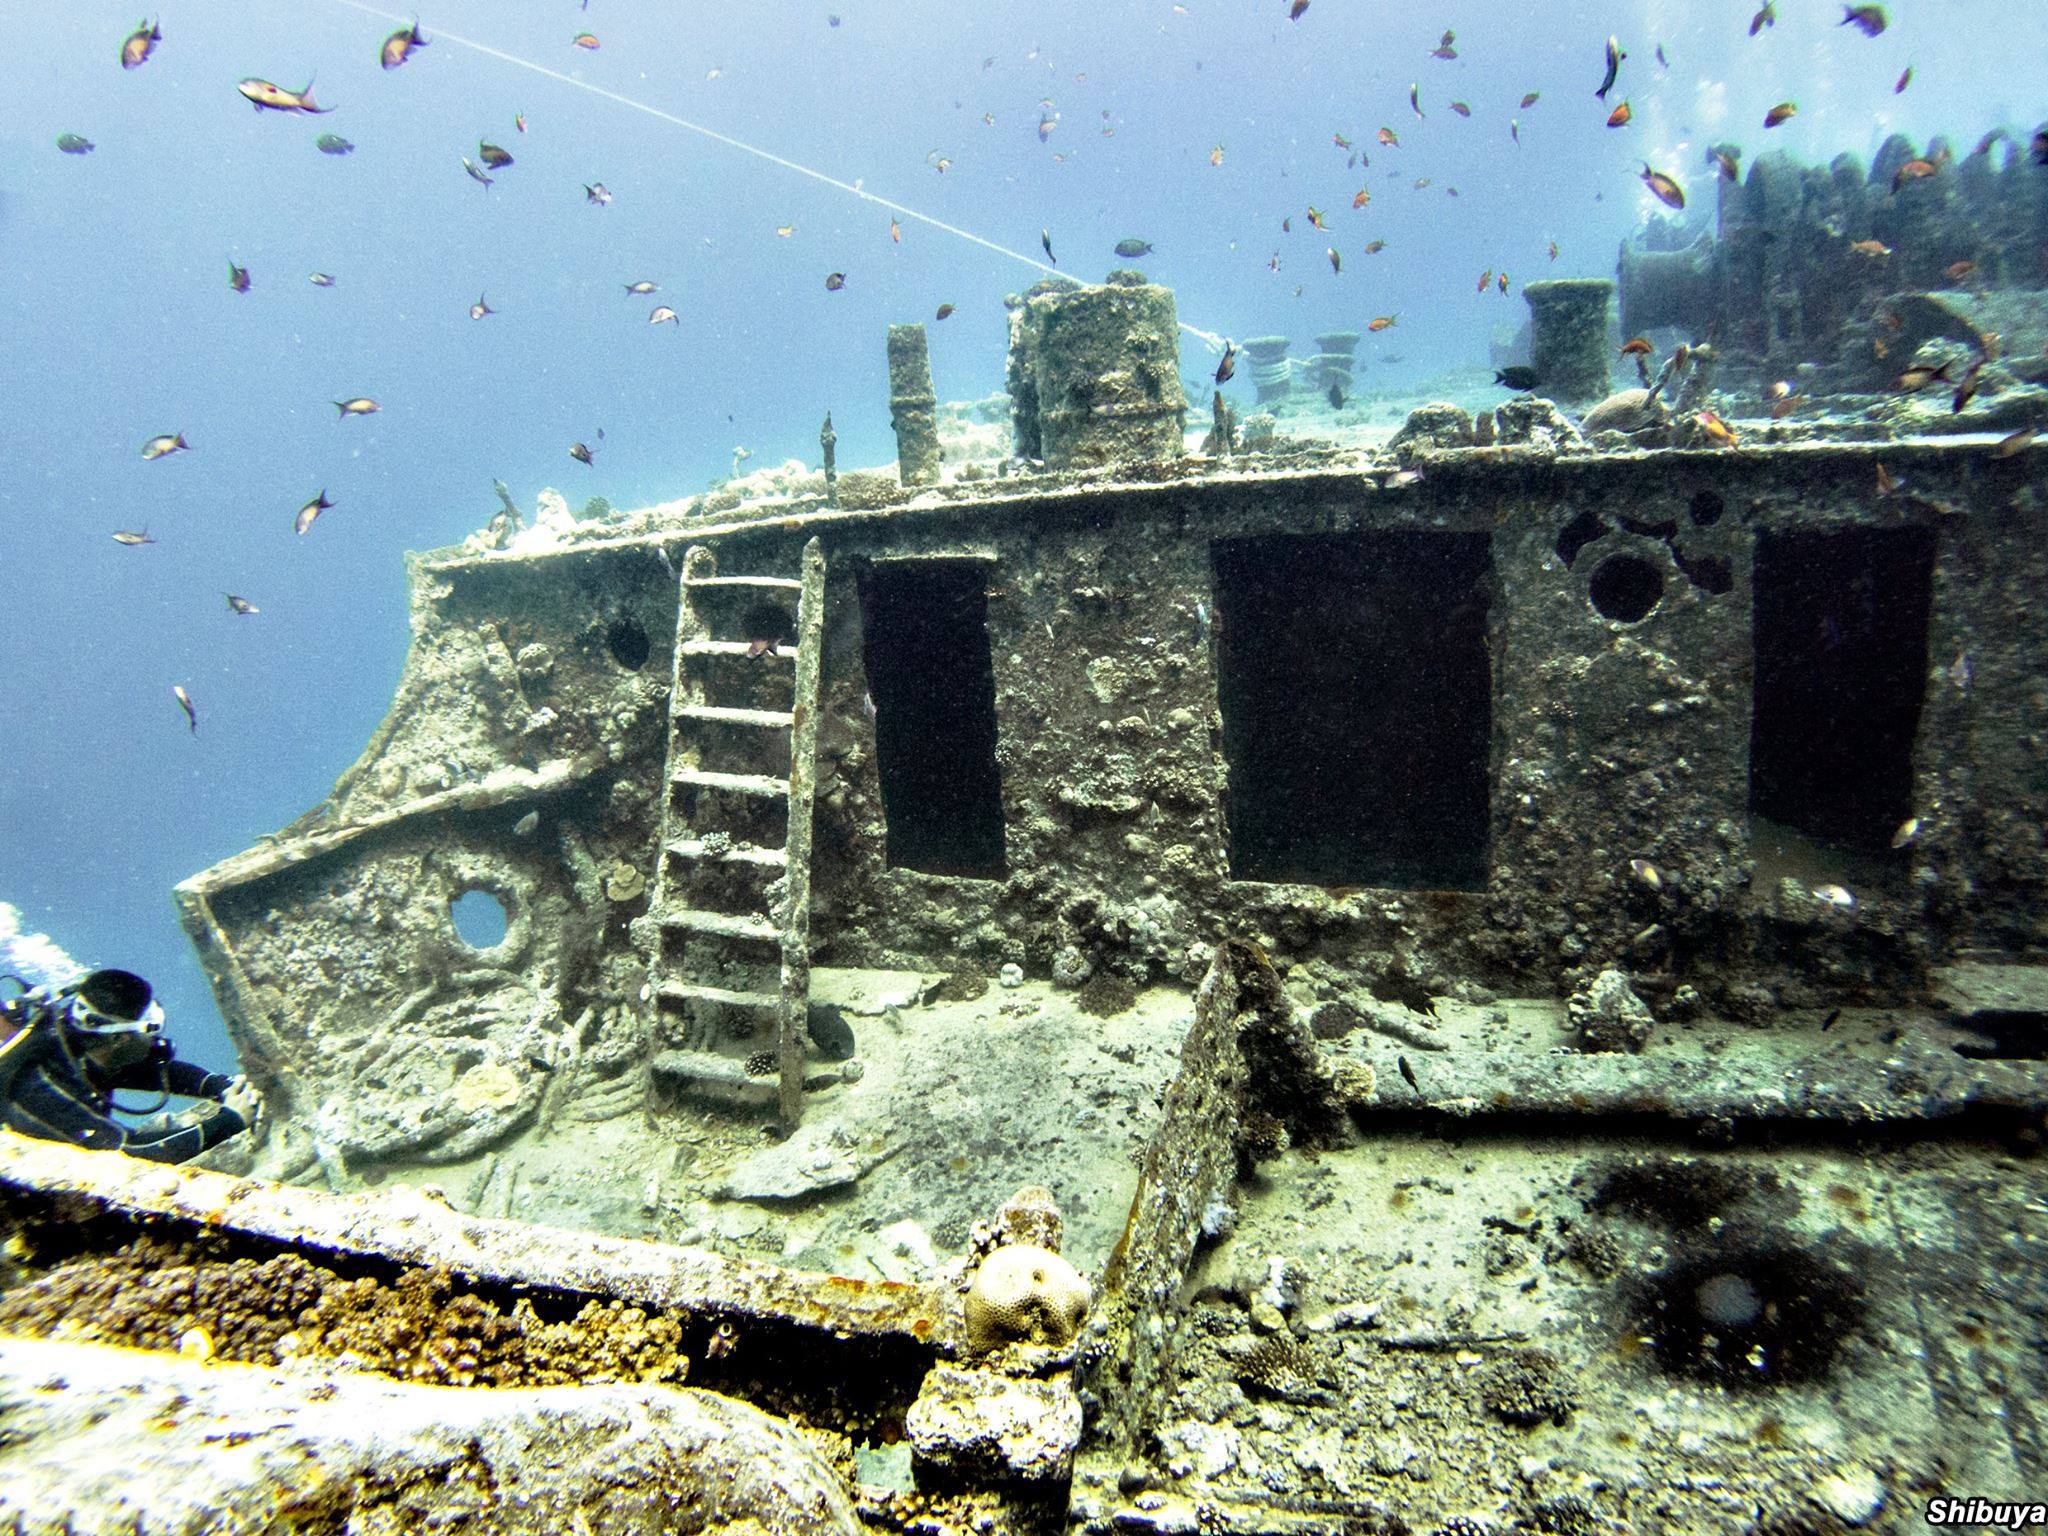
[[1023, 1293], [1526, 1387]]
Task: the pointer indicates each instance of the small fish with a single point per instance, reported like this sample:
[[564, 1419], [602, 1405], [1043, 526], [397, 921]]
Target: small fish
[[320, 279], [360, 405], [1886, 483], [476, 172], [1515, 130], [1295, 8], [1828, 1023], [1335, 395], [1287, 225], [526, 825], [1835, 896], [1216, 155], [1407, 1073], [1909, 829], [138, 45], [1381, 322], [597, 192], [1133, 248], [1636, 346], [493, 157], [266, 97], [1766, 16], [1374, 247], [834, 281], [663, 315], [1780, 409], [1620, 116], [1461, 109], [1553, 250], [1877, 250], [167, 443], [764, 646], [586, 41], [1336, 261], [1718, 431], [1957, 271], [240, 606], [519, 121], [643, 287], [1725, 161], [75, 144], [1228, 366], [1500, 281], [399, 45], [1517, 376], [1913, 170], [1959, 673], [238, 278], [896, 233], [185, 703], [1388, 138], [2014, 443], [131, 539], [1920, 376], [1046, 124], [1401, 479], [1045, 239], [1614, 58], [309, 511], [479, 309], [581, 454], [333, 144], [1340, 141], [1529, 100], [943, 311], [1415, 100], [1668, 192], [1486, 280], [2037, 146], [1662, 62], [1648, 875], [1784, 111], [1965, 391], [1867, 19], [1905, 79], [1315, 217], [1443, 49]]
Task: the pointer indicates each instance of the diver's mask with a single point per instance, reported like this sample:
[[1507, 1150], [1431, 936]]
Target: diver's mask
[[113, 1017]]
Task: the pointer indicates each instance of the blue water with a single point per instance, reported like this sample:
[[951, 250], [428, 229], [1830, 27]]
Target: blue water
[[121, 323]]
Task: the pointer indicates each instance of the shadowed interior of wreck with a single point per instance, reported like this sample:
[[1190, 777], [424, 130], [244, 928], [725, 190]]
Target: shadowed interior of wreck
[[1840, 635], [1354, 683], [926, 653]]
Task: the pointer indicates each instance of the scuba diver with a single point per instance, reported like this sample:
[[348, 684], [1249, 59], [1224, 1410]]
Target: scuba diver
[[64, 1050]]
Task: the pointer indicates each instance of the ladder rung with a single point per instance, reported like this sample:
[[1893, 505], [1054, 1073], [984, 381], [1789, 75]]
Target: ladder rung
[[693, 992], [724, 925], [776, 583], [735, 648], [691, 848], [740, 783], [772, 718], [705, 1071]]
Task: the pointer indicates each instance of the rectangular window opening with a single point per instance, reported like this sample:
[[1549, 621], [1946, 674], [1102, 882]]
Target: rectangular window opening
[[1840, 637], [925, 646], [1357, 702]]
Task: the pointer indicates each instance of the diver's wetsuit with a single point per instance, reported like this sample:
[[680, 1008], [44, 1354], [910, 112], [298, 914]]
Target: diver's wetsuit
[[49, 1090]]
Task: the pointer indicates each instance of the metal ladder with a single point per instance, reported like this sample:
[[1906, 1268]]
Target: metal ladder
[[692, 946]]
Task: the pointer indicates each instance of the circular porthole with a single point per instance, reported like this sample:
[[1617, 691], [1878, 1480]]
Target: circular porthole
[[1625, 588], [628, 643], [480, 919]]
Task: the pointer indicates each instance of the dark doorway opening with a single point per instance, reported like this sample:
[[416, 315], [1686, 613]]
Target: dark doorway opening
[[1840, 637], [925, 644], [1357, 702]]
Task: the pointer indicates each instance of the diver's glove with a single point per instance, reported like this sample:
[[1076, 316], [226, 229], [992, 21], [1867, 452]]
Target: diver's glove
[[243, 1100]]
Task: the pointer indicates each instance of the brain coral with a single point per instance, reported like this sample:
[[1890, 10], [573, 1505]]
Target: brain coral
[[1024, 1293]]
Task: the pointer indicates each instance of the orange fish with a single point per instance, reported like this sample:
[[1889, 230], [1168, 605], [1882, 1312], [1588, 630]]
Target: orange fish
[[1885, 483], [1912, 170], [1668, 192], [1780, 113], [1636, 346], [1957, 271], [585, 40], [2014, 443], [1718, 431], [1724, 161], [1502, 282], [1216, 155], [1874, 248], [1389, 139], [895, 232], [1619, 116], [1485, 278], [1361, 199], [1381, 323], [1375, 247]]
